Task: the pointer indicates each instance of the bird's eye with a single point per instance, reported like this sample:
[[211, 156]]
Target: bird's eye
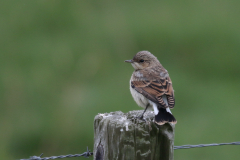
[[141, 60]]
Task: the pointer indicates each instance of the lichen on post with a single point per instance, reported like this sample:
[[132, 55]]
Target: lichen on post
[[120, 136]]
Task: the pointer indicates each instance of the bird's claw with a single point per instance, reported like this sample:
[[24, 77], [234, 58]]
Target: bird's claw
[[139, 118]]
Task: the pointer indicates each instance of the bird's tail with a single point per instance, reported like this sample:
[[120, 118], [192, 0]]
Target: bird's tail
[[163, 117]]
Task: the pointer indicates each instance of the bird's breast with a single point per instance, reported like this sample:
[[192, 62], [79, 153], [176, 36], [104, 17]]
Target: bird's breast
[[138, 97]]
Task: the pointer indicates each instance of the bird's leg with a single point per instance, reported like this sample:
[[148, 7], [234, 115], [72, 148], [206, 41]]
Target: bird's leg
[[141, 117]]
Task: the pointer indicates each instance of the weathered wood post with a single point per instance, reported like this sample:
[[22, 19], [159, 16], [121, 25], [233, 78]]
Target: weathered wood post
[[118, 136]]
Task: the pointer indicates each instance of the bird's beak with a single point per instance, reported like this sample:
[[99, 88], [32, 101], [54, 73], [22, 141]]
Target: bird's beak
[[129, 61]]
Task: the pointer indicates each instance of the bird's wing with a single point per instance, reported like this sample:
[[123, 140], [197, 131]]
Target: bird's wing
[[154, 89]]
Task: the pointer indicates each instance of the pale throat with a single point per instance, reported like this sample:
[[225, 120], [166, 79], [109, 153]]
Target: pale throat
[[136, 65]]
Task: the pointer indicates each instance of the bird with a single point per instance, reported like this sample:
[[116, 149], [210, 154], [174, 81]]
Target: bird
[[151, 87]]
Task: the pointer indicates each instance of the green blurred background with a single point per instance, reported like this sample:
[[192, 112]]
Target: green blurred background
[[61, 63]]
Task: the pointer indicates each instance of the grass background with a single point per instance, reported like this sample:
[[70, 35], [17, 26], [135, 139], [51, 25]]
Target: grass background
[[61, 63]]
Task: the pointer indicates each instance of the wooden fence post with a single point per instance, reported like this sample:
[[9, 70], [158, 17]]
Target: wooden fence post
[[118, 136]]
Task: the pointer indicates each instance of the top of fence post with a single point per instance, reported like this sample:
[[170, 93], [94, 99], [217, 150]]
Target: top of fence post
[[120, 136]]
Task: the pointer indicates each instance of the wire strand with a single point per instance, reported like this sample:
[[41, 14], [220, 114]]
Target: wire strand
[[205, 145], [88, 153], [85, 154]]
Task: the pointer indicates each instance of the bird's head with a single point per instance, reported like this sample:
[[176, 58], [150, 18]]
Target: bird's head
[[142, 60]]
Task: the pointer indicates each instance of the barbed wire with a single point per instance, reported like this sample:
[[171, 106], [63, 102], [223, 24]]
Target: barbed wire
[[85, 154], [205, 145], [88, 153]]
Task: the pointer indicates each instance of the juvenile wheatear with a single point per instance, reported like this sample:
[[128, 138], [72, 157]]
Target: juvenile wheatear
[[151, 86]]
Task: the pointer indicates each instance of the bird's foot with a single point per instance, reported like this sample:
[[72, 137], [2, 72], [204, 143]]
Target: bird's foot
[[139, 118]]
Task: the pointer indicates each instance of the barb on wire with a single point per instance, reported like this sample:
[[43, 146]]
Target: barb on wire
[[205, 145], [85, 154]]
